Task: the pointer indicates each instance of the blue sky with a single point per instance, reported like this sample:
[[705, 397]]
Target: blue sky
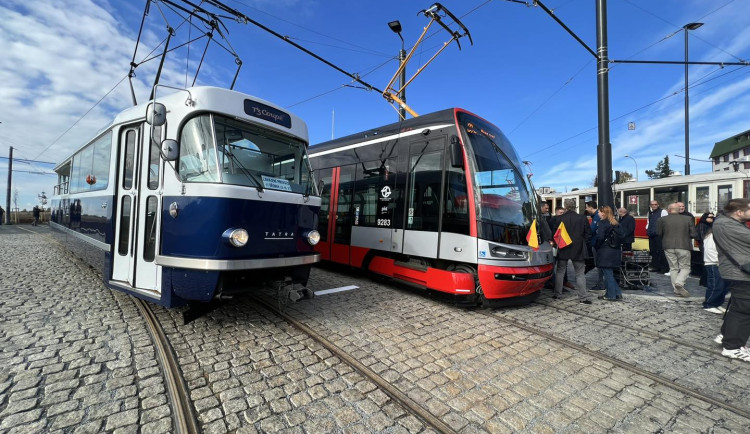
[[524, 73]]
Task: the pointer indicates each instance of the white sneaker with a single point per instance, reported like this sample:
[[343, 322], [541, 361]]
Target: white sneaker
[[719, 338], [722, 309], [667, 273], [713, 310], [741, 353]]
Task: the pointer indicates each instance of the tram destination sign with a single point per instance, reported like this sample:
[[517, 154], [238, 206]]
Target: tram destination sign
[[267, 113]]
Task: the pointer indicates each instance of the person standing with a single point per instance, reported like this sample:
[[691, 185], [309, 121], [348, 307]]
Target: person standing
[[732, 238], [579, 232], [683, 211], [677, 233], [608, 257], [628, 229], [593, 211], [716, 287], [702, 229], [35, 212], [658, 260], [2, 215]]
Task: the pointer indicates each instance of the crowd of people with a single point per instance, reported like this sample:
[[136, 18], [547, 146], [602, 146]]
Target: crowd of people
[[724, 243]]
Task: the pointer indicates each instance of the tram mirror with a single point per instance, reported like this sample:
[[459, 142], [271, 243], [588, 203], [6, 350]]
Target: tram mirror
[[156, 114], [457, 154], [170, 150]]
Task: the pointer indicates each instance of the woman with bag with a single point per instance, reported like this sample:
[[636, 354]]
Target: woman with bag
[[716, 287], [608, 252]]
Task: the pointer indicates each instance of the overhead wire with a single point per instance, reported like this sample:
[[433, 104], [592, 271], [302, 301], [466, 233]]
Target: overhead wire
[[310, 30]]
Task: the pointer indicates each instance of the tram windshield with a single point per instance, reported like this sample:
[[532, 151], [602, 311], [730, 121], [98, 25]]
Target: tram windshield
[[504, 201], [217, 149]]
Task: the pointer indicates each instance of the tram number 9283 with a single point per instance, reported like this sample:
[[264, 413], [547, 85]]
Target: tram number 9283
[[384, 222]]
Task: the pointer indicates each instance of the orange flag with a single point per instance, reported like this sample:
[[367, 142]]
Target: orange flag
[[561, 236], [532, 237]]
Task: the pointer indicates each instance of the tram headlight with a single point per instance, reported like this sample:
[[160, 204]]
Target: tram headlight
[[236, 237], [313, 237], [508, 253]]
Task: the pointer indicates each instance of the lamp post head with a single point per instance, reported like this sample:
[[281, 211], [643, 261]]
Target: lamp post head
[[692, 26], [396, 28], [626, 156]]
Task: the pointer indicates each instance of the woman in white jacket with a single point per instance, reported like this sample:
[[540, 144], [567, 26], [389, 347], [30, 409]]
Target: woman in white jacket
[[716, 287]]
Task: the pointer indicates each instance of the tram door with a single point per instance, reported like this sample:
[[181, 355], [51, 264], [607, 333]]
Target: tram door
[[138, 218], [335, 218], [424, 195]]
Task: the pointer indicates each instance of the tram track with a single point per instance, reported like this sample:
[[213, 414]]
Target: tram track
[[177, 391], [619, 363], [678, 341], [389, 389]]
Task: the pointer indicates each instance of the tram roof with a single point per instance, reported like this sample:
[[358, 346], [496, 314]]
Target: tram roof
[[422, 121], [209, 98], [661, 182]]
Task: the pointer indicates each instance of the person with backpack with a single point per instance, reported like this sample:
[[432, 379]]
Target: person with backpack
[[608, 241], [677, 233]]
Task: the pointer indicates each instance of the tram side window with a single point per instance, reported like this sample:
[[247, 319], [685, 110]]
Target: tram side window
[[154, 153], [637, 202], [370, 182], [725, 194], [91, 166], [456, 202], [424, 195], [149, 248], [127, 178], [124, 235], [702, 201], [344, 206], [197, 151], [668, 195]]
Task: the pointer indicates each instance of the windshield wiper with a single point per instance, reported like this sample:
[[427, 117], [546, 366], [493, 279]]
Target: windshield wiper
[[244, 171]]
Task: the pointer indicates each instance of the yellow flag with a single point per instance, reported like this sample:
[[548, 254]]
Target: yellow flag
[[532, 237]]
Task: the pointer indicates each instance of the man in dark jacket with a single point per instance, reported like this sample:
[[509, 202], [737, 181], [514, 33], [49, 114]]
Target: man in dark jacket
[[677, 233], [627, 223], [732, 237], [579, 231], [658, 260]]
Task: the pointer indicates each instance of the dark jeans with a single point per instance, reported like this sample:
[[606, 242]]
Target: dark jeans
[[716, 287], [736, 327], [658, 260], [613, 289]]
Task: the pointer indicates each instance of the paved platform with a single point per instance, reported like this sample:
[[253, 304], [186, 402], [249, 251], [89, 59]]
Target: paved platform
[[74, 357]]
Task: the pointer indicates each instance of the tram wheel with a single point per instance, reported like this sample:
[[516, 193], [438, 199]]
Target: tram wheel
[[479, 298]]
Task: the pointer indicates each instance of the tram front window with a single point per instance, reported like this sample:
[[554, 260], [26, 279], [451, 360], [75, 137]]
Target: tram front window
[[234, 152], [505, 207]]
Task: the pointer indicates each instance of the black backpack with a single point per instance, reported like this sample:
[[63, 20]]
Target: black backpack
[[614, 237]]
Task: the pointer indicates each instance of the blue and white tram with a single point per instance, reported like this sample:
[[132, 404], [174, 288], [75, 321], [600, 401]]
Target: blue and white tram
[[192, 197]]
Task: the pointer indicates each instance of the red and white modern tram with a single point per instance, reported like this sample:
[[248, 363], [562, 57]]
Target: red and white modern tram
[[439, 201]]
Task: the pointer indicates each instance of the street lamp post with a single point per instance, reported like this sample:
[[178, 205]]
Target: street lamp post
[[396, 28], [636, 165], [687, 27]]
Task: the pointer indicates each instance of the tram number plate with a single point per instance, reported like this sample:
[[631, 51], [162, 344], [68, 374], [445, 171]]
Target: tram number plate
[[384, 222]]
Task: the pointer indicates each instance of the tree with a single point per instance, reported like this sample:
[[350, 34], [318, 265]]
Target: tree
[[624, 177], [662, 169]]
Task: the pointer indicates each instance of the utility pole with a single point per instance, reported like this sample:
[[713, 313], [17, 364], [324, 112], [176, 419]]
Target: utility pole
[[10, 177], [604, 148]]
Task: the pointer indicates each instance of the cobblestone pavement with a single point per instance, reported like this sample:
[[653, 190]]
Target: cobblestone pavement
[[480, 375], [248, 370], [74, 356]]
